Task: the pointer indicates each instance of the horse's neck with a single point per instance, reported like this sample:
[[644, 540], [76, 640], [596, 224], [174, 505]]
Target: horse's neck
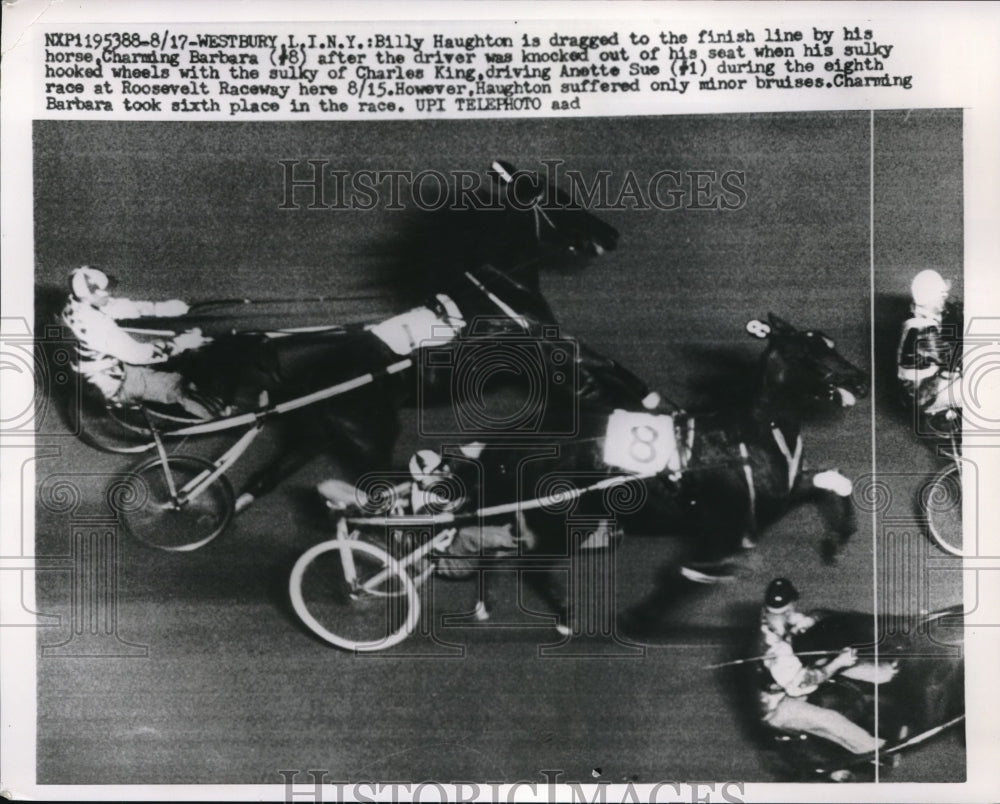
[[524, 274], [771, 410], [515, 288]]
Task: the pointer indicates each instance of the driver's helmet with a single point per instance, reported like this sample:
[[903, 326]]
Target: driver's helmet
[[929, 289], [425, 465], [780, 595], [87, 282]]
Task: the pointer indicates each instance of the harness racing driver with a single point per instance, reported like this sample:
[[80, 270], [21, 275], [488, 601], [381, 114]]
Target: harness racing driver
[[785, 682], [120, 366], [925, 364]]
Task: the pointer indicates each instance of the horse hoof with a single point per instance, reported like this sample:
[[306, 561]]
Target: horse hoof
[[243, 502], [722, 574], [830, 550]]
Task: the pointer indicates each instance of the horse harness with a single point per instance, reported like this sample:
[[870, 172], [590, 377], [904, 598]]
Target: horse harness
[[684, 441], [684, 433], [793, 458], [641, 443], [407, 332]]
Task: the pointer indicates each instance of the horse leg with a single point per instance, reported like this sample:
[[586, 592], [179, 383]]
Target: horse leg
[[714, 516], [363, 437], [264, 480], [348, 438], [484, 601], [830, 491], [544, 535], [721, 522], [548, 584]]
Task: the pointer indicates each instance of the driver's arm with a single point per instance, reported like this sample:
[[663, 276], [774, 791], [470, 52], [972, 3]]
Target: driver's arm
[[790, 674], [108, 338], [119, 308], [932, 350], [800, 623]]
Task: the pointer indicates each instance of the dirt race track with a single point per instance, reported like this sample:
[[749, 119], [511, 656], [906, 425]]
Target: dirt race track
[[224, 684]]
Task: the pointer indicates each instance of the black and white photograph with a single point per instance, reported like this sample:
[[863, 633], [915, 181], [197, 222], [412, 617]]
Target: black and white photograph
[[442, 458], [343, 379]]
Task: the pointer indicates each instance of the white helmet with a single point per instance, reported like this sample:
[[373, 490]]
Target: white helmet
[[87, 282], [930, 289], [423, 464]]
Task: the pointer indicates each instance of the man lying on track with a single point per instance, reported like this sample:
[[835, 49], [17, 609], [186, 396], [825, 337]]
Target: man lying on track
[[472, 491], [438, 486]]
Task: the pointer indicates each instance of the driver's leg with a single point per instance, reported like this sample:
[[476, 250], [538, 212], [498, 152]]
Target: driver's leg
[[796, 714], [142, 383], [459, 559], [133, 387]]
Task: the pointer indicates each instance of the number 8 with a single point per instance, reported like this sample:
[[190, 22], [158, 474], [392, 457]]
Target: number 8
[[758, 328], [643, 446]]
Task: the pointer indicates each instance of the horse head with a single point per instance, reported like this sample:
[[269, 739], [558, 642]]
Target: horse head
[[564, 234], [804, 366], [519, 226]]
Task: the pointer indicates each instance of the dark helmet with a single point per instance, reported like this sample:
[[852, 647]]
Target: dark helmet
[[780, 593]]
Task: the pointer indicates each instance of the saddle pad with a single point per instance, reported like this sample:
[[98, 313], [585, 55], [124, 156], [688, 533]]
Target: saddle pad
[[406, 332], [641, 442]]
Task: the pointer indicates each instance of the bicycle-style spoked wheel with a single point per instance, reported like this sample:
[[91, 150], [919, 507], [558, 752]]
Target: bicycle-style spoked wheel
[[354, 595], [941, 502], [166, 517], [109, 427], [124, 428]]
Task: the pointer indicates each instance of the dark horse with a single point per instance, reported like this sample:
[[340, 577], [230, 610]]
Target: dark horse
[[498, 308], [920, 694], [715, 480]]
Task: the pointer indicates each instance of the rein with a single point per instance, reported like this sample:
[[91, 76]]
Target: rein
[[209, 304], [761, 658], [864, 759], [505, 508], [504, 307]]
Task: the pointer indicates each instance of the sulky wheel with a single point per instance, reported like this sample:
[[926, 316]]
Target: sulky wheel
[[172, 512], [941, 502], [354, 595]]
